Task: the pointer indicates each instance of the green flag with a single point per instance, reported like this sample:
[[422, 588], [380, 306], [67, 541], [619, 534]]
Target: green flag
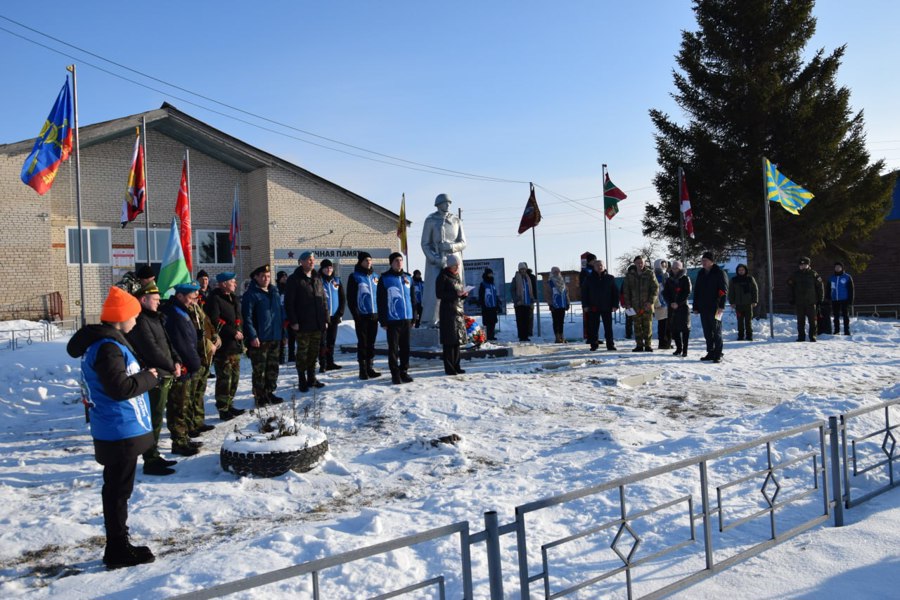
[[611, 197], [174, 268]]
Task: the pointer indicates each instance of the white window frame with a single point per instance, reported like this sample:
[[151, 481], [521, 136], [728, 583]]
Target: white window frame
[[202, 232], [87, 250], [141, 246]]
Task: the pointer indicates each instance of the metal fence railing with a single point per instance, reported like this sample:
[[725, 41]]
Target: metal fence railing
[[653, 533], [42, 331]]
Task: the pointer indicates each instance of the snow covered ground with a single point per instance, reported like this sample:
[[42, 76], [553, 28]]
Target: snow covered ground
[[529, 427]]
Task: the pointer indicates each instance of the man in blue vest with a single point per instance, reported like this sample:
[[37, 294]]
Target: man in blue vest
[[395, 314], [841, 298], [335, 301], [362, 301]]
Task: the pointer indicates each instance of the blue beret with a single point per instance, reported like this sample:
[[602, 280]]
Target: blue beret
[[187, 288], [221, 277], [306, 255]]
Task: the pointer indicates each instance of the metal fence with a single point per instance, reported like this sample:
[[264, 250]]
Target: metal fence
[[653, 533], [14, 339]]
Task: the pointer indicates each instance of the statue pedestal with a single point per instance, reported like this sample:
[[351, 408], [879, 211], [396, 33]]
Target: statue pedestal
[[422, 338]]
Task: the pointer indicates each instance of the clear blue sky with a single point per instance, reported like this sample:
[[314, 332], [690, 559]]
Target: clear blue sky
[[514, 90]]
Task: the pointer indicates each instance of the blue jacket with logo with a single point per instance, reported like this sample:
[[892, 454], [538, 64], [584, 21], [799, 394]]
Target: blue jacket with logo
[[394, 297]]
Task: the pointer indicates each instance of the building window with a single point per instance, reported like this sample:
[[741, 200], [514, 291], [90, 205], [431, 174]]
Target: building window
[[214, 248], [158, 240], [95, 240]]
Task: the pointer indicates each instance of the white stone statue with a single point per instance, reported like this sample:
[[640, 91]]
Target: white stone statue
[[442, 235]]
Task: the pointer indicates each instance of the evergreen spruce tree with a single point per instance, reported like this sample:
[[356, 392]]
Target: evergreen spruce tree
[[747, 93]]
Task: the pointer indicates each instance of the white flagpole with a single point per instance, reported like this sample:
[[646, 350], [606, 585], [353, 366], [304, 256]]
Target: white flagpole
[[71, 69], [681, 214], [604, 219], [146, 188], [770, 271]]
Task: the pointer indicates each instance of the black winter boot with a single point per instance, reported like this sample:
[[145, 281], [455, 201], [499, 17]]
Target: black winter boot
[[370, 370], [311, 379], [404, 376], [363, 373], [120, 553], [302, 383], [395, 377]]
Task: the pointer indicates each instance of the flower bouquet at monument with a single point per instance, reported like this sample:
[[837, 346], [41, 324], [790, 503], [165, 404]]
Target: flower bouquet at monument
[[475, 332]]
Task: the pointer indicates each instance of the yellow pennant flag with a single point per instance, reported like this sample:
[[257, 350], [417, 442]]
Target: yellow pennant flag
[[401, 227]]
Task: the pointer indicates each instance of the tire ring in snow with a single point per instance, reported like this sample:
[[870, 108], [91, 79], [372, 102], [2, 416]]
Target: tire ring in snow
[[272, 464]]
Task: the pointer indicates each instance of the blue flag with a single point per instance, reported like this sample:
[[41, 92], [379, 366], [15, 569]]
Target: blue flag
[[784, 191], [53, 145]]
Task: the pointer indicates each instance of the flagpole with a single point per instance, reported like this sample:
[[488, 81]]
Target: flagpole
[[71, 69], [146, 187], [680, 214], [604, 219], [237, 237], [770, 271], [537, 297], [187, 162]]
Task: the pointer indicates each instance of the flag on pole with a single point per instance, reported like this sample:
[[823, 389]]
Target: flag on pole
[[686, 213], [235, 225], [136, 190], [52, 146], [401, 226], [532, 215], [183, 210], [784, 191], [611, 197], [174, 269]]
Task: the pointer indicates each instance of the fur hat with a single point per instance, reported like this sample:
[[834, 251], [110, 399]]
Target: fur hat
[[119, 306], [452, 260], [709, 256], [145, 272]]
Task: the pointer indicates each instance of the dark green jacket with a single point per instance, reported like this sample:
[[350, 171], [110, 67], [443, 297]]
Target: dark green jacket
[[743, 290], [805, 287]]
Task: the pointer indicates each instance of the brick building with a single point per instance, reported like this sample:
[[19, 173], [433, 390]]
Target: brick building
[[283, 208]]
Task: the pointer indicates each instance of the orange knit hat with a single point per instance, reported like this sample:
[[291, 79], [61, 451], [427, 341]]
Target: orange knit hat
[[119, 306]]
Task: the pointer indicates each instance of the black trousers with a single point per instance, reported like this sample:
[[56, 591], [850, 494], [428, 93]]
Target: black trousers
[[524, 319], [118, 483], [291, 346], [807, 312], [593, 327], [417, 315], [712, 332], [398, 345], [451, 358], [744, 314], [329, 339], [366, 331], [489, 317], [841, 309], [559, 319]]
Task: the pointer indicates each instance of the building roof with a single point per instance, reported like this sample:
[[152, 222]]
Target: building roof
[[197, 135]]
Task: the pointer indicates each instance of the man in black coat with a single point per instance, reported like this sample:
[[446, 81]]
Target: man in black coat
[[154, 350], [599, 298], [307, 315], [183, 335], [710, 294], [224, 313]]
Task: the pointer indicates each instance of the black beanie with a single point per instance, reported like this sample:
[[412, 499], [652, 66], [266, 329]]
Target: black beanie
[[362, 256]]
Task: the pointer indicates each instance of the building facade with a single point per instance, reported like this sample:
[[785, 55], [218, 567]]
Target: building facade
[[282, 208]]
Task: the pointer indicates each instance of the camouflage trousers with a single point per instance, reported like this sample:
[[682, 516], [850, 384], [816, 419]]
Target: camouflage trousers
[[176, 417], [228, 373], [308, 343], [159, 397], [265, 368], [643, 329], [195, 411]]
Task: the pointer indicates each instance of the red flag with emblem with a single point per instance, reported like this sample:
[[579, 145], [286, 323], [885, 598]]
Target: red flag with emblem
[[183, 210]]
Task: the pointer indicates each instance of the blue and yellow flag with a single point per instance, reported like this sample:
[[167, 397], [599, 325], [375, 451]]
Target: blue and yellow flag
[[784, 191], [52, 146]]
